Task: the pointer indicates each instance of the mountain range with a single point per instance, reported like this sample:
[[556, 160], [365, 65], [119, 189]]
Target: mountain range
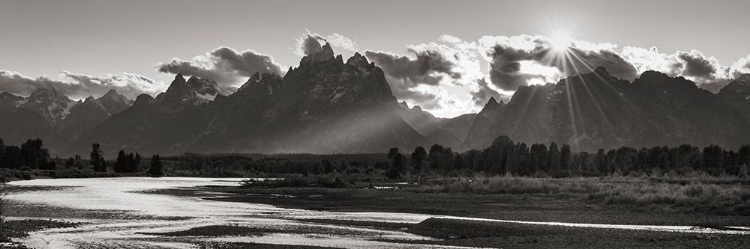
[[328, 105]]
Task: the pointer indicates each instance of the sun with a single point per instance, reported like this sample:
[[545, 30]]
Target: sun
[[560, 41]]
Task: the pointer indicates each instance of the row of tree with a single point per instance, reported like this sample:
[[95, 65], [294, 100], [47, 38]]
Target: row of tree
[[507, 157], [32, 155], [504, 156]]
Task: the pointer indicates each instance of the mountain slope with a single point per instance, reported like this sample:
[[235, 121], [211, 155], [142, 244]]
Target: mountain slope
[[323, 106], [596, 110], [737, 95]]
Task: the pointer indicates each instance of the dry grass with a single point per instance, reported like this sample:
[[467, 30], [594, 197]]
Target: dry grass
[[734, 198]]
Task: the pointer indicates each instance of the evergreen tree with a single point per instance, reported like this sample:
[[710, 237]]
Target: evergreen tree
[[2, 153], [97, 160], [121, 164], [156, 168]]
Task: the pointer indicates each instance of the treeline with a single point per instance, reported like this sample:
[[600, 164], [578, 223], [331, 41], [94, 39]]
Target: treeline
[[231, 165], [505, 156], [32, 155]]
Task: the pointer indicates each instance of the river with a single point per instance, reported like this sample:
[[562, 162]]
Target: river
[[142, 212]]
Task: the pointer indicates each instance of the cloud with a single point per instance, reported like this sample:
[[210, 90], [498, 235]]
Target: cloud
[[422, 75], [128, 84], [697, 65], [78, 86], [310, 43], [481, 93], [706, 72], [429, 64], [514, 61], [226, 66], [342, 42], [15, 83], [428, 68], [740, 67]]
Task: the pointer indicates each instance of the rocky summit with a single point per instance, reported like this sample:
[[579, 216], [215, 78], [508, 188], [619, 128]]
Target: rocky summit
[[325, 105]]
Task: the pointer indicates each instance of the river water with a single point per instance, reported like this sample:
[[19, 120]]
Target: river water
[[156, 213]]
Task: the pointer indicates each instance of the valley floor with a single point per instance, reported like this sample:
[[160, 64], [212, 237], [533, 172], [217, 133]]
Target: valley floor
[[533, 207], [216, 214]]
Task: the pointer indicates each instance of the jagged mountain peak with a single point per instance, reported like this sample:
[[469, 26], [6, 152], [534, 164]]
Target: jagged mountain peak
[[652, 75], [113, 96], [143, 99], [357, 60], [492, 105], [207, 87], [601, 71], [404, 105]]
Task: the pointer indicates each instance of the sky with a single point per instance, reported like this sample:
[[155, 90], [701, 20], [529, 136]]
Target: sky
[[449, 57]]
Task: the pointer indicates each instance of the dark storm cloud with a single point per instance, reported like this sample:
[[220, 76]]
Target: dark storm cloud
[[194, 68], [246, 63], [507, 54], [311, 44], [404, 91], [588, 60], [697, 65], [223, 65], [428, 67], [78, 86]]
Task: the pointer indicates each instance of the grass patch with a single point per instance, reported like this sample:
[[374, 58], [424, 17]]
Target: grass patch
[[218, 230], [296, 181], [720, 198]]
